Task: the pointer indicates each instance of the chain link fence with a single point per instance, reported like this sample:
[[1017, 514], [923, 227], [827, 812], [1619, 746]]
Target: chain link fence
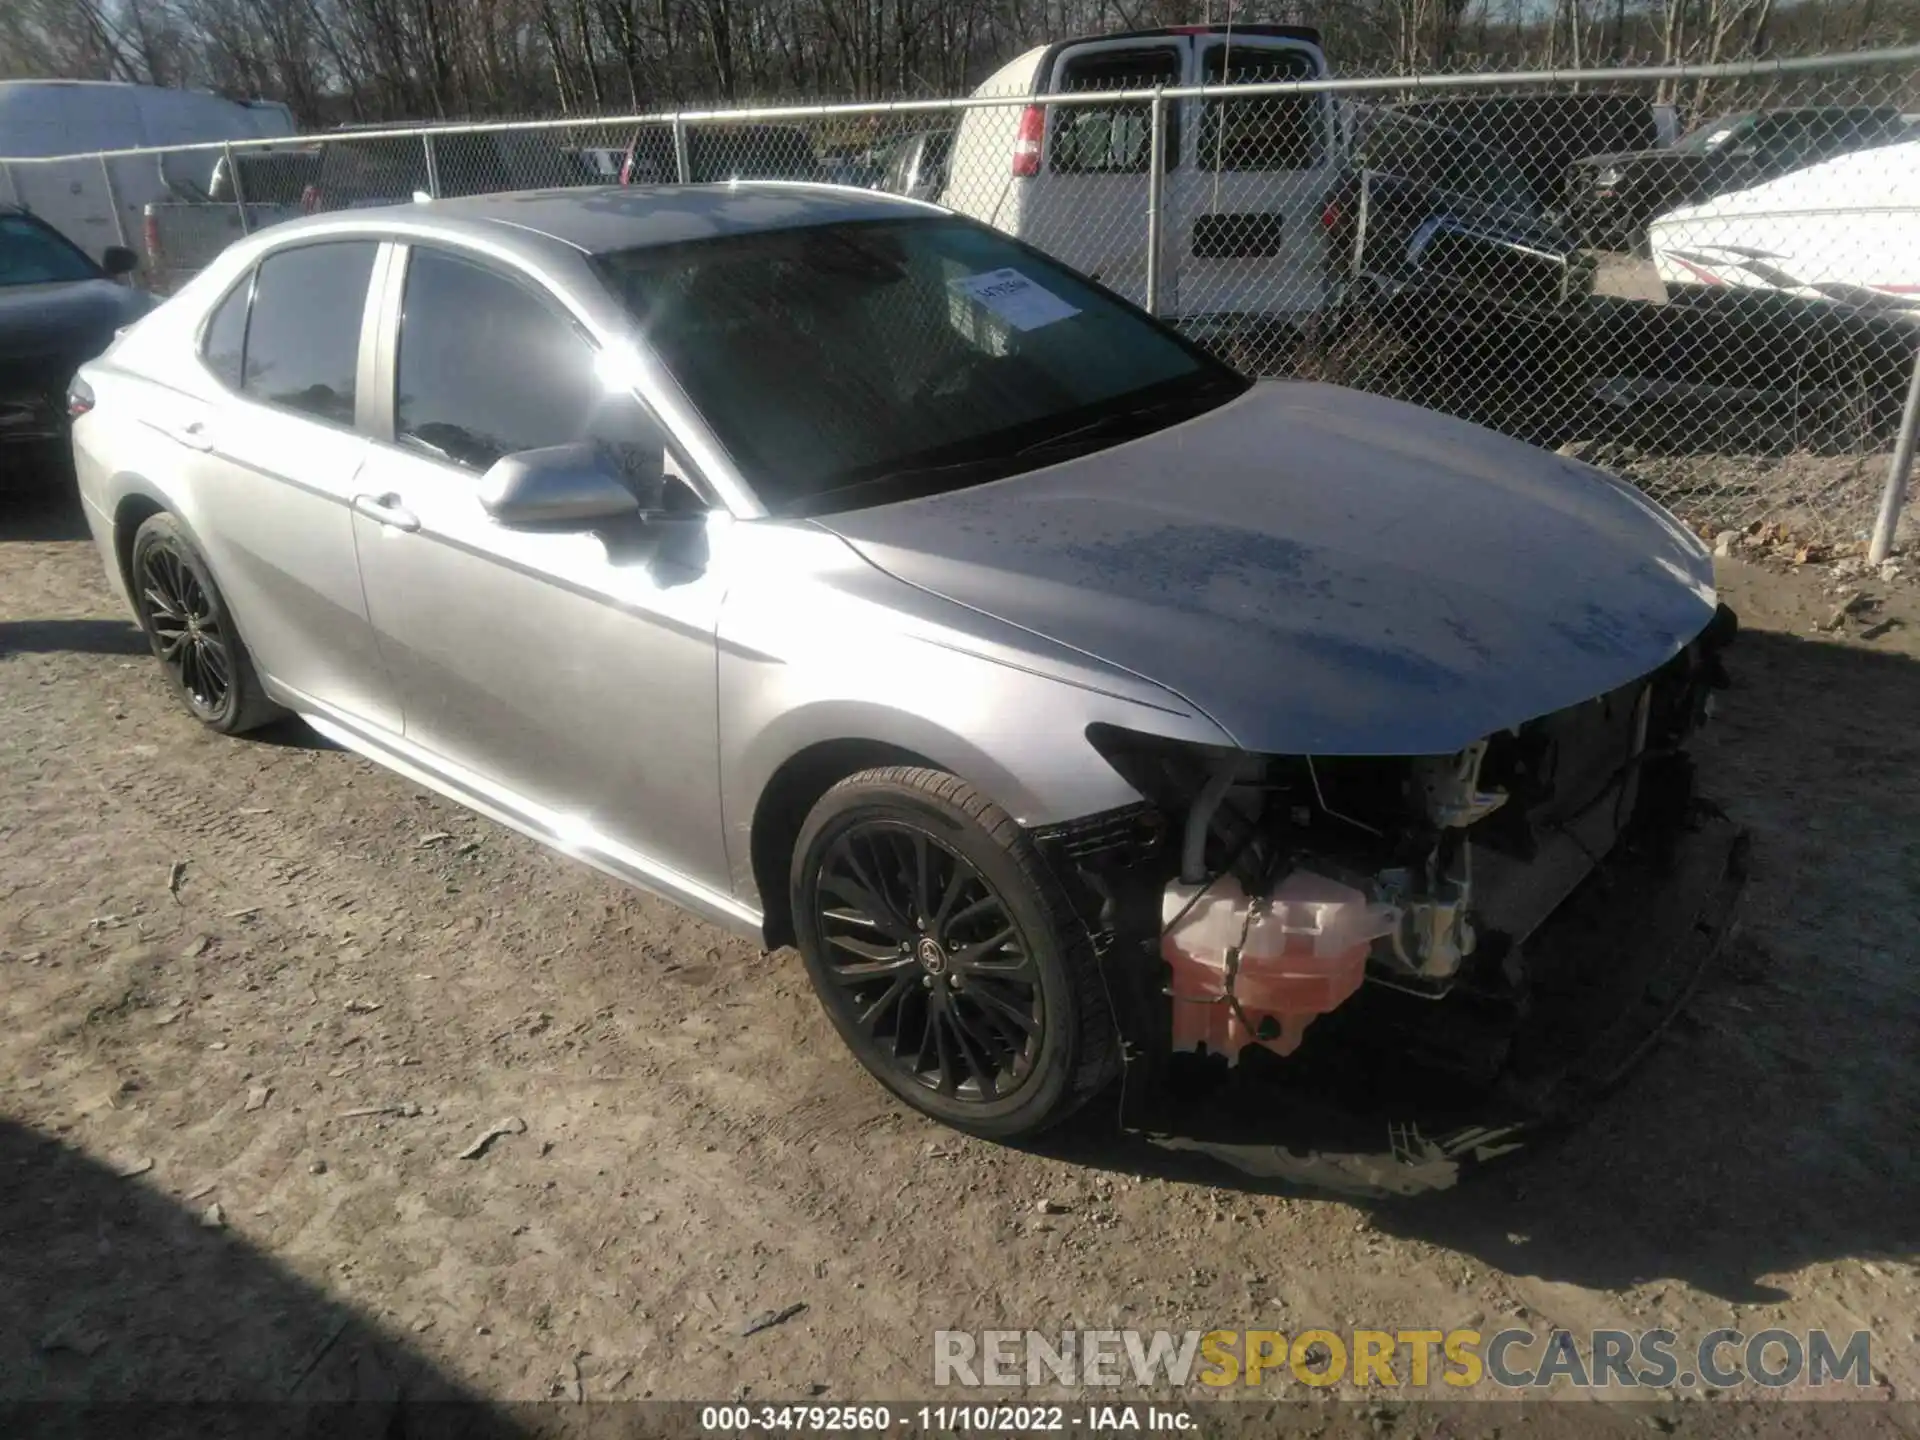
[[1705, 278]]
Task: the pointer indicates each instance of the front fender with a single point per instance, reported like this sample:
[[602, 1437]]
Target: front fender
[[817, 645], [1016, 739]]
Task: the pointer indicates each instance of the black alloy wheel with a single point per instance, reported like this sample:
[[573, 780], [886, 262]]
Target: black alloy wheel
[[191, 630], [187, 633], [946, 954], [928, 963]]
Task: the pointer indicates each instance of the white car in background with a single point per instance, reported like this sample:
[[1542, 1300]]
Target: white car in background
[[1847, 229], [1242, 185]]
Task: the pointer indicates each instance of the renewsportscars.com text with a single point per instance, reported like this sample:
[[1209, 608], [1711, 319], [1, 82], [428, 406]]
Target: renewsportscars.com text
[[1514, 1359]]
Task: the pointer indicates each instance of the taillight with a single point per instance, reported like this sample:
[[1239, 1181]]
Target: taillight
[[79, 398], [310, 200], [1026, 144], [626, 169], [1330, 216]]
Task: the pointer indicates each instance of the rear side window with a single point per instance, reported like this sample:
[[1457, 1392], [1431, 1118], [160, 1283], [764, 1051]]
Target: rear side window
[[1112, 139], [224, 346], [486, 367], [303, 341], [1262, 132]]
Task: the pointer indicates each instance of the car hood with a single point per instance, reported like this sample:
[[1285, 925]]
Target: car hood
[[1322, 571], [71, 317]]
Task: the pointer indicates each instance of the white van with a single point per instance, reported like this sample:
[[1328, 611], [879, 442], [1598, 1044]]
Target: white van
[[40, 118], [1243, 184]]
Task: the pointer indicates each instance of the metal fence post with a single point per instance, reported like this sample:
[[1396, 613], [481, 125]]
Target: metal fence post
[[13, 186], [1358, 263], [239, 192], [1156, 170], [113, 201], [433, 165], [1896, 492], [682, 170]]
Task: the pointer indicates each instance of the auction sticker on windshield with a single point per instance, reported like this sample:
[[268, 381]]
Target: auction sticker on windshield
[[1015, 299]]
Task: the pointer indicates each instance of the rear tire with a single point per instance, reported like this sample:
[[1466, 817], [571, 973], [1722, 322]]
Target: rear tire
[[192, 633], [947, 957]]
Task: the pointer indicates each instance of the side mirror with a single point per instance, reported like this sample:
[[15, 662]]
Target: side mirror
[[119, 260], [566, 486]]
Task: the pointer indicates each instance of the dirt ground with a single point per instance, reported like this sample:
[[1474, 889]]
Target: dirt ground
[[231, 1117]]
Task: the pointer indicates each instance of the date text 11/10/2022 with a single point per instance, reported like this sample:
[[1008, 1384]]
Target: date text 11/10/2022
[[942, 1419]]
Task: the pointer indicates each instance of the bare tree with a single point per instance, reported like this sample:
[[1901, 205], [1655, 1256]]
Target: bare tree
[[368, 60]]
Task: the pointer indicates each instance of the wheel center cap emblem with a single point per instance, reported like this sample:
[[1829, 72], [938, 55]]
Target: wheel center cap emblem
[[932, 957]]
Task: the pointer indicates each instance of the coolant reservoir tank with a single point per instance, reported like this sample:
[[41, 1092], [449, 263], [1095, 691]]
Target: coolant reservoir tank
[[1310, 915], [1302, 951]]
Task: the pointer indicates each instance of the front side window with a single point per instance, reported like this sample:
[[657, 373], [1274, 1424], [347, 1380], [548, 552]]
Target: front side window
[[303, 338], [1109, 139], [32, 254], [488, 368], [845, 364], [224, 345], [1261, 132]]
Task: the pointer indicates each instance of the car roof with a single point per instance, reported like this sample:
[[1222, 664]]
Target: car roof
[[597, 219]]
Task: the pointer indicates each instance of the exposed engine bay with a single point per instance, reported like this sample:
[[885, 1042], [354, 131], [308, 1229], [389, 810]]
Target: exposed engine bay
[[1254, 895]]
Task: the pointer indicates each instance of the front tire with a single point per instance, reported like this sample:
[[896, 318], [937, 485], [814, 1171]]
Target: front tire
[[192, 633], [946, 956]]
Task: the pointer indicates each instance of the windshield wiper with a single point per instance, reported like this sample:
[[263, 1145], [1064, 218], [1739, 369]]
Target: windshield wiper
[[995, 464], [836, 498], [1125, 423]]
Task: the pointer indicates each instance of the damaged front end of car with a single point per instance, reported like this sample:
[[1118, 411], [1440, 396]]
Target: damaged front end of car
[[1422, 907]]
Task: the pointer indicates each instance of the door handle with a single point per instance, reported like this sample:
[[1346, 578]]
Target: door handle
[[194, 435], [388, 510]]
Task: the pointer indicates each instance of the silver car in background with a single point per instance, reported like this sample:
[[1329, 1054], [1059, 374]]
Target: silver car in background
[[863, 580]]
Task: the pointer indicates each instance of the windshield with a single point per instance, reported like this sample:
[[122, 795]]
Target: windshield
[[31, 254], [851, 364]]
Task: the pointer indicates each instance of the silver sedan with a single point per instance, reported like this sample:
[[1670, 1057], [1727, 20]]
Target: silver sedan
[[866, 581]]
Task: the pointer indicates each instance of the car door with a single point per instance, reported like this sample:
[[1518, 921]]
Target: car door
[[567, 675], [277, 468], [1088, 205], [1245, 236]]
